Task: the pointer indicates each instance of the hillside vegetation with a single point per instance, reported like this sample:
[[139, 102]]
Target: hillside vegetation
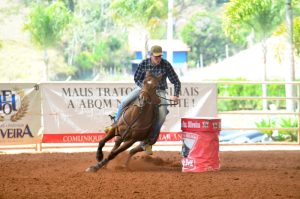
[[20, 60], [94, 47], [93, 44]]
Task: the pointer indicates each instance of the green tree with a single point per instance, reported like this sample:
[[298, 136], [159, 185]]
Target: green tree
[[291, 30], [203, 32], [108, 56], [90, 21], [144, 14], [46, 24], [257, 17], [95, 45], [297, 34]]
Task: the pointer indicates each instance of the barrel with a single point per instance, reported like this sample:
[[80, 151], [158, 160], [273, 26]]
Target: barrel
[[200, 144]]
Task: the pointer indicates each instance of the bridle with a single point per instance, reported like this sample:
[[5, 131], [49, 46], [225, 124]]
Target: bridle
[[168, 104], [142, 102], [172, 102]]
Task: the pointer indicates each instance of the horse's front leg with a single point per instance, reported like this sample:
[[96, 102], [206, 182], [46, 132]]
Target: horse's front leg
[[109, 135], [118, 141], [111, 156], [132, 152], [99, 154]]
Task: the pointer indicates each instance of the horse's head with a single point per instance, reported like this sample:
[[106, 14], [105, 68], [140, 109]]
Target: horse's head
[[150, 84]]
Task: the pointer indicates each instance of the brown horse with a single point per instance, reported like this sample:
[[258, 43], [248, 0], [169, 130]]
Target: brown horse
[[134, 125]]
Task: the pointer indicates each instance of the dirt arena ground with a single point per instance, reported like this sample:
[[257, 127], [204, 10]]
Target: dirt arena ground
[[253, 174]]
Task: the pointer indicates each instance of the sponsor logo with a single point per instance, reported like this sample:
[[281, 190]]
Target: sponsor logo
[[190, 124], [205, 124], [216, 125], [13, 105], [15, 132], [188, 143], [7, 102], [187, 162]]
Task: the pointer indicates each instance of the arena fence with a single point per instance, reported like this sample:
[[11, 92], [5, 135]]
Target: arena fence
[[240, 118], [273, 106]]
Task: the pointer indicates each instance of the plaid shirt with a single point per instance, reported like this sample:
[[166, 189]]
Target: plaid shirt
[[164, 68]]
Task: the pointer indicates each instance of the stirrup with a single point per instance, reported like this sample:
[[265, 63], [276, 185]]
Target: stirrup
[[107, 129]]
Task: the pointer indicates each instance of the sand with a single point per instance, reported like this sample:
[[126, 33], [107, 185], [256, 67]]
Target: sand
[[247, 174]]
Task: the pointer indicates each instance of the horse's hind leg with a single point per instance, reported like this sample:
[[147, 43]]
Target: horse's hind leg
[[132, 152], [120, 149], [109, 135]]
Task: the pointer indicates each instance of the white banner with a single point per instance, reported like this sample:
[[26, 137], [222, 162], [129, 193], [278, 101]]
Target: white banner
[[20, 114], [72, 108]]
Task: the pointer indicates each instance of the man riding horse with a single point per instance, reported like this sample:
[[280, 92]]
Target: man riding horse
[[142, 113], [156, 65]]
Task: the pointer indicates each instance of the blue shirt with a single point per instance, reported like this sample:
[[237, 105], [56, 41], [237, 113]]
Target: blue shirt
[[165, 68]]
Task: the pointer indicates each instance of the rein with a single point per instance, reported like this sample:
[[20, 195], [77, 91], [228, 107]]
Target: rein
[[168, 104]]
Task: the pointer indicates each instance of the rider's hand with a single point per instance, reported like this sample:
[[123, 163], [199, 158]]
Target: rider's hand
[[175, 99]]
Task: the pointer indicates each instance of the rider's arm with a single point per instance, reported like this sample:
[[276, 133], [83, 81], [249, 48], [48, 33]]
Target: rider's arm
[[139, 75], [173, 77]]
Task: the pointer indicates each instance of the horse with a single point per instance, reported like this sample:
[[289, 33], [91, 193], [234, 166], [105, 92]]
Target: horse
[[135, 124]]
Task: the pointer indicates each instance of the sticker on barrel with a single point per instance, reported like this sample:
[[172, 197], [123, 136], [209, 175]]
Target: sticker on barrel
[[201, 124]]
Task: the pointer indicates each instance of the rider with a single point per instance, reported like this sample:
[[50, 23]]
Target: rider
[[156, 65]]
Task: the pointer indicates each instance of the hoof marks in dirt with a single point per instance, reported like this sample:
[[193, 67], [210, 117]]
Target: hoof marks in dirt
[[154, 160], [122, 168]]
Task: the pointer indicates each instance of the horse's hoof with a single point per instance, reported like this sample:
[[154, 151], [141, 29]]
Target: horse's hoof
[[91, 169]]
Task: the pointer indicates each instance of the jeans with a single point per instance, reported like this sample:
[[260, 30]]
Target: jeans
[[134, 94], [161, 117]]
